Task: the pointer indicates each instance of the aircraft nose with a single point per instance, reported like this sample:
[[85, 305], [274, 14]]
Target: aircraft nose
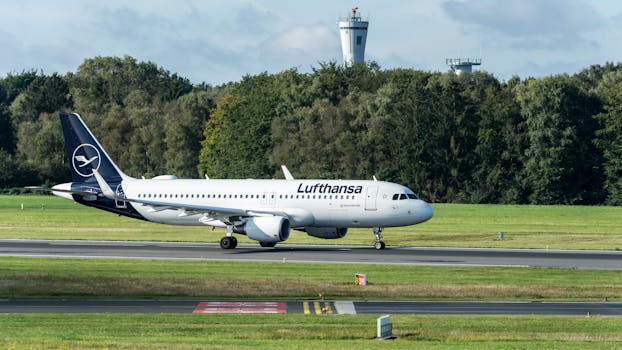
[[422, 210]]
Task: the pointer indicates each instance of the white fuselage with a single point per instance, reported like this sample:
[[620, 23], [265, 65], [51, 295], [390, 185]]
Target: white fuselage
[[320, 203]]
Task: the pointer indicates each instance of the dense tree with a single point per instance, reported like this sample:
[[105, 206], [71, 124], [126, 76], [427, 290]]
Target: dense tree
[[237, 137], [40, 150], [184, 126], [13, 84], [45, 94], [7, 169], [7, 139], [467, 138], [500, 147], [561, 157], [610, 135], [102, 82]]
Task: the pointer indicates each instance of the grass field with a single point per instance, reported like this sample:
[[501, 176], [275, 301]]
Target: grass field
[[553, 227], [119, 278], [169, 331]]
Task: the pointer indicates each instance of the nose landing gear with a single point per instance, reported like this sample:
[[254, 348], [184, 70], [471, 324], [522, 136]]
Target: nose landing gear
[[379, 245]]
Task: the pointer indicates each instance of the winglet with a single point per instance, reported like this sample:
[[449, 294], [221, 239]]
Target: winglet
[[106, 190], [375, 178], [288, 175]]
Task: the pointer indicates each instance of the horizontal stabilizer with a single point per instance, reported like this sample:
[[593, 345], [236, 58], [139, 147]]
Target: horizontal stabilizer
[[106, 190]]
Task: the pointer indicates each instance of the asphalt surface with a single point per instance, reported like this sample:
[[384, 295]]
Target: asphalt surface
[[13, 306], [605, 260]]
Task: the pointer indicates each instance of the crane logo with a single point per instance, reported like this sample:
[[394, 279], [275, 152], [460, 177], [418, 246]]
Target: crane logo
[[85, 158]]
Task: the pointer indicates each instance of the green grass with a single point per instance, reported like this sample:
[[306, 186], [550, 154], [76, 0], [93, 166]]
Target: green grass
[[553, 227], [166, 331], [47, 217], [119, 278]]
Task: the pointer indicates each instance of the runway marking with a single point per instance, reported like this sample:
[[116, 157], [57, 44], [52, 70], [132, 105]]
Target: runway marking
[[345, 307], [318, 307], [241, 307]]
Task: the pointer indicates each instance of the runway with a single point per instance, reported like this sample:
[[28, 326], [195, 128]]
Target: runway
[[311, 307], [604, 260]]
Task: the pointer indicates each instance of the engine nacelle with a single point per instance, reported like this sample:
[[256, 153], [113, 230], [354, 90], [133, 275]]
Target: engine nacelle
[[326, 232], [265, 228]]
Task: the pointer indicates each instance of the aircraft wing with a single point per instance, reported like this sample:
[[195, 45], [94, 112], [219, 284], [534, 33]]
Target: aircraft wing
[[190, 208]]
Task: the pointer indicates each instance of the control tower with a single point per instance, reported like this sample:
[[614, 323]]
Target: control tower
[[463, 65], [353, 37]]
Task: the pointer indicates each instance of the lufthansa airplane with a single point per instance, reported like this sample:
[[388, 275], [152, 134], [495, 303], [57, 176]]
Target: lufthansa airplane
[[264, 210]]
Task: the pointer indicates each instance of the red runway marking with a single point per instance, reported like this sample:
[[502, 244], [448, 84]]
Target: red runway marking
[[241, 307]]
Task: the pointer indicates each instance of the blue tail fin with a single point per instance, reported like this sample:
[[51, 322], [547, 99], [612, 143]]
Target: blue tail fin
[[85, 153]]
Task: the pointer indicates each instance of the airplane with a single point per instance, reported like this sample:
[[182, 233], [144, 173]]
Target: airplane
[[264, 210]]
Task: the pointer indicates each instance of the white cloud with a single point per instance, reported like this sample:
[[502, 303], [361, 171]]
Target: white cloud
[[530, 24]]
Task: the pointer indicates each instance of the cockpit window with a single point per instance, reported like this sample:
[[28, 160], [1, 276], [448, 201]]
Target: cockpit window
[[402, 196]]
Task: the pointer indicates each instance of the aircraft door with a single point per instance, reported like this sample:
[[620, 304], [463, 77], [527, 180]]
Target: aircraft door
[[119, 192], [370, 199]]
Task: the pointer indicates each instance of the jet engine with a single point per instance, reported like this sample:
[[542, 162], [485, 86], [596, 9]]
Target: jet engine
[[265, 228], [326, 232]]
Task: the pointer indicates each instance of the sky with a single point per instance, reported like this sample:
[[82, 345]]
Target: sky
[[217, 41]]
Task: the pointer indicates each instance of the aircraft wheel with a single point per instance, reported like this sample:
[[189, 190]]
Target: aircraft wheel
[[228, 242], [267, 244], [379, 245]]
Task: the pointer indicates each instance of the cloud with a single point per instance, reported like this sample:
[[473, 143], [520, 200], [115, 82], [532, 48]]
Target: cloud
[[302, 45], [530, 24]]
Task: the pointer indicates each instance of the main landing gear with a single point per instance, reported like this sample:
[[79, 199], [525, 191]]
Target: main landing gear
[[379, 245], [228, 242]]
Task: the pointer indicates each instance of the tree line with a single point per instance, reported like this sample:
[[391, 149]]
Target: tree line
[[451, 138]]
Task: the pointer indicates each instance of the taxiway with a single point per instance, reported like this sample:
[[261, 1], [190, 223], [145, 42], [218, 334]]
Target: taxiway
[[327, 254]]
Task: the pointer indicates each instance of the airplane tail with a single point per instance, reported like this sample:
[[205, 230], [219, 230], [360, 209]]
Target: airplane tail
[[85, 153]]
